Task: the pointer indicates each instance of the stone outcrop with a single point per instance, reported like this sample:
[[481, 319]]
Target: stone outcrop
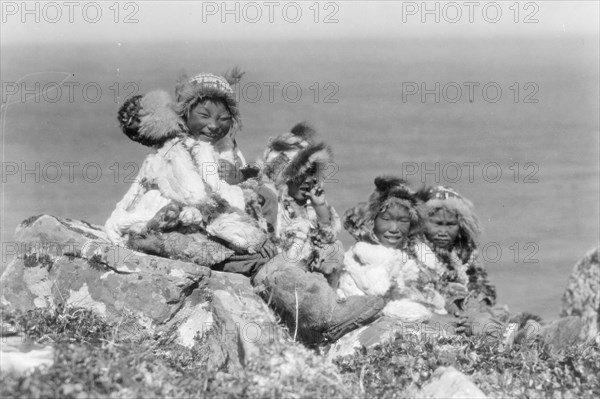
[[582, 296], [379, 332], [63, 261], [448, 382]]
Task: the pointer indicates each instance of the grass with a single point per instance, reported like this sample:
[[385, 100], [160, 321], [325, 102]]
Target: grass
[[531, 370], [91, 363]]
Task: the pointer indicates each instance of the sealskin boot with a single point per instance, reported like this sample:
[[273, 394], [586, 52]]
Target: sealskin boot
[[351, 313], [308, 305]]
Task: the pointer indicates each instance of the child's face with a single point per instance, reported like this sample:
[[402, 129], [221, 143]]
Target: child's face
[[441, 228], [299, 190], [392, 226], [209, 120]]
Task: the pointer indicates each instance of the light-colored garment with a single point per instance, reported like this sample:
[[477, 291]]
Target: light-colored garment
[[183, 170], [372, 269], [299, 231]]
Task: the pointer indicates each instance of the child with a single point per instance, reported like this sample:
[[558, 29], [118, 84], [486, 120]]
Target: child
[[179, 195], [389, 258], [295, 283], [307, 226], [452, 231]]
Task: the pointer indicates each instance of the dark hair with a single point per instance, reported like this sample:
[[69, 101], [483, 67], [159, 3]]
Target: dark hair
[[128, 116]]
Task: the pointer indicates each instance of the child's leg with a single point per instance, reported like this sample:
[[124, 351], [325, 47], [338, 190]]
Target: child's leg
[[306, 302], [196, 247]]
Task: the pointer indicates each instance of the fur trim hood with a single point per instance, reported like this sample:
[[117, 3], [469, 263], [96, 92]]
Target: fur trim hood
[[441, 197], [150, 119], [209, 86], [359, 221], [295, 154]]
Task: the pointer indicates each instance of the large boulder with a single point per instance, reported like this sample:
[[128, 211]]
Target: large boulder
[[62, 261], [582, 296]]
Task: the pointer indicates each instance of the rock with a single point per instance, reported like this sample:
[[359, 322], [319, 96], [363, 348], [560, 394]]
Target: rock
[[121, 285], [378, 332], [63, 261], [582, 296], [383, 330], [231, 321], [448, 382], [564, 332]]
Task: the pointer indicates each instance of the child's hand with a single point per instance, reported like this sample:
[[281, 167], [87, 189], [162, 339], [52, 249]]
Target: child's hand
[[250, 172], [166, 218], [317, 195], [190, 216]]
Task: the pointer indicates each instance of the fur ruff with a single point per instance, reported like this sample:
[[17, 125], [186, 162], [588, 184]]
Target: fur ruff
[[285, 143], [191, 92], [158, 120], [315, 157], [359, 221], [469, 226], [295, 154], [150, 119], [304, 130]]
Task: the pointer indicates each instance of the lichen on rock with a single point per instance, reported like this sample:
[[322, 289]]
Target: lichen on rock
[[582, 295]]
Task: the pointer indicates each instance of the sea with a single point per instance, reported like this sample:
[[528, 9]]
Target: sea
[[511, 123]]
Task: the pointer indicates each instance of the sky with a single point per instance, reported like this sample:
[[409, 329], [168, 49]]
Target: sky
[[153, 21]]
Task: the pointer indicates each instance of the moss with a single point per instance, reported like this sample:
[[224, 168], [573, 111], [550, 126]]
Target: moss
[[103, 367], [46, 261], [76, 229], [96, 263], [531, 370], [91, 362], [35, 260], [30, 260], [72, 255]]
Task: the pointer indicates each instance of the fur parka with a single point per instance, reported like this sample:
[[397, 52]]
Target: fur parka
[[183, 171], [406, 281]]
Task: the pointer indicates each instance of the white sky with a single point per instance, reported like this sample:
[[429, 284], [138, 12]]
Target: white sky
[[272, 20]]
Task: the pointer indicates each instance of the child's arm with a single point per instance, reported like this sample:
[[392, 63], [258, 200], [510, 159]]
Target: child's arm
[[319, 203], [479, 284], [176, 175], [327, 233], [137, 207], [207, 163]]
